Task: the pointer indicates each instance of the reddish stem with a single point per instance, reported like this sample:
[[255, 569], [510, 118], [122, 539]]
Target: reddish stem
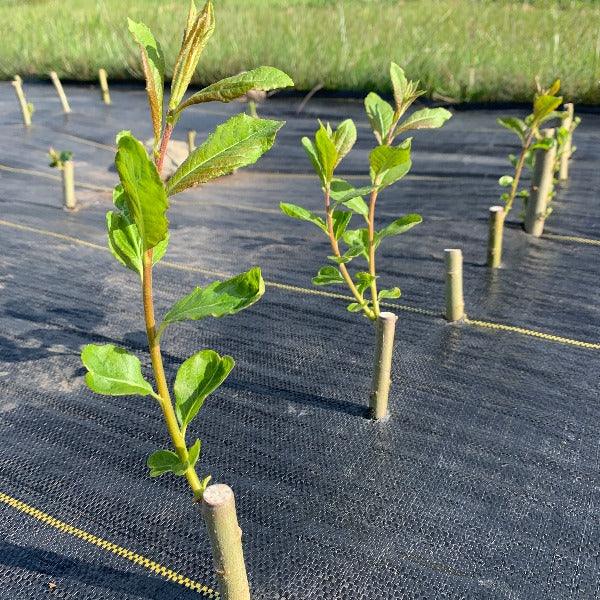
[[162, 152]]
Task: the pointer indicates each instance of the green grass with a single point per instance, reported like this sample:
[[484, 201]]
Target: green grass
[[459, 49]]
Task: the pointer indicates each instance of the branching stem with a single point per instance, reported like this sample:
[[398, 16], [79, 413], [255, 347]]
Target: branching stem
[[336, 251], [162, 152], [518, 171]]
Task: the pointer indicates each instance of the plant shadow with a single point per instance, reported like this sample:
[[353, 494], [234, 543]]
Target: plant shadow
[[81, 573]]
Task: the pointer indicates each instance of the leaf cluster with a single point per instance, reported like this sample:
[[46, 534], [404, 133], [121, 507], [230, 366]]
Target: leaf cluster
[[138, 227], [58, 159], [545, 105], [388, 163], [199, 29]]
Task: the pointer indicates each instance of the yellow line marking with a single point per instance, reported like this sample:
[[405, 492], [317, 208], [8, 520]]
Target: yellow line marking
[[89, 142], [89, 186], [572, 238], [533, 333], [125, 553], [297, 289], [29, 172]]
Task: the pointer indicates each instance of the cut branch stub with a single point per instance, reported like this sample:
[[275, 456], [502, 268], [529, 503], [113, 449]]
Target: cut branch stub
[[218, 511], [68, 181], [496, 229], [541, 187], [191, 140], [17, 83], [60, 91], [385, 328], [567, 149], [455, 304], [102, 77]]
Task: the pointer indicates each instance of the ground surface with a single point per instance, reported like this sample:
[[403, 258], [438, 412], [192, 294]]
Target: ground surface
[[460, 49], [483, 484]]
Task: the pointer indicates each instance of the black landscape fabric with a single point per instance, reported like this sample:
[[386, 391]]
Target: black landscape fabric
[[484, 483]]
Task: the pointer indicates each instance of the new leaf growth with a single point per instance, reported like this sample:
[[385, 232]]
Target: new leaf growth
[[389, 161], [58, 159], [138, 236], [545, 103]]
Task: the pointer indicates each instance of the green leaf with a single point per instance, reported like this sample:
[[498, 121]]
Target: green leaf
[[145, 195], [392, 293], [543, 106], [238, 142], [363, 281], [506, 180], [326, 152], [200, 27], [399, 84], [298, 212], [311, 151], [389, 164], [344, 193], [344, 138], [554, 88], [358, 205], [354, 307], [340, 260], [219, 298], [112, 371], [165, 461], [123, 236], [341, 190], [125, 243], [426, 118], [328, 275], [380, 114], [199, 376], [398, 226], [230, 88], [153, 63], [543, 144], [358, 242], [340, 222], [515, 125], [194, 452]]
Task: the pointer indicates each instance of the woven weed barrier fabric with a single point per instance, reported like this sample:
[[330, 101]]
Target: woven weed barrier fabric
[[484, 483]]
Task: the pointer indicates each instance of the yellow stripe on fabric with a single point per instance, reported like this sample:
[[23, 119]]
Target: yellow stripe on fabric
[[307, 291], [129, 555], [572, 238]]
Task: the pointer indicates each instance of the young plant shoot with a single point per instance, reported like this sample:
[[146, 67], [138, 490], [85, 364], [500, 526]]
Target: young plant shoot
[[63, 161], [389, 161], [138, 236], [531, 139]]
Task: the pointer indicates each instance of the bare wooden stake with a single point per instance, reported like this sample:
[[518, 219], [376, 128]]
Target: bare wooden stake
[[496, 230], [68, 181], [455, 303], [385, 328], [191, 141], [17, 83], [218, 511], [60, 92], [566, 153], [104, 86], [541, 187]]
